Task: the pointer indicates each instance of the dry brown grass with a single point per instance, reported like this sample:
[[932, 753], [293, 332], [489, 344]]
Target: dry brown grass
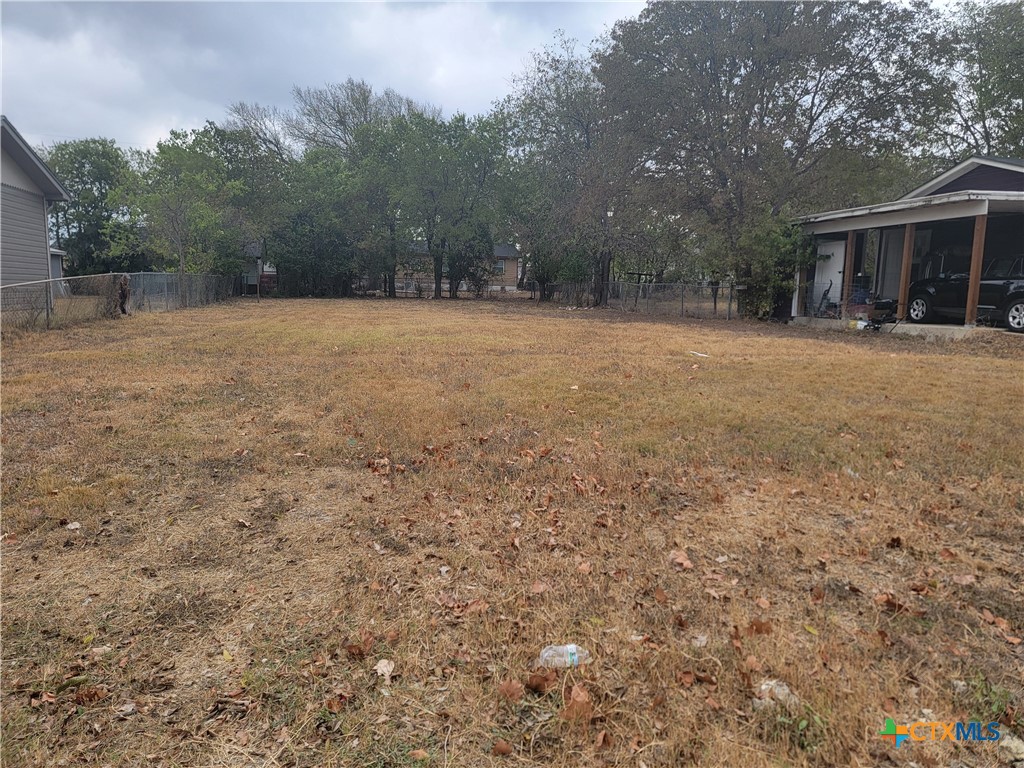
[[272, 498]]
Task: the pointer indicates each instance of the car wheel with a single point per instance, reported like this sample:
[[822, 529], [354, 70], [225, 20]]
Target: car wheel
[[1014, 315], [920, 309]]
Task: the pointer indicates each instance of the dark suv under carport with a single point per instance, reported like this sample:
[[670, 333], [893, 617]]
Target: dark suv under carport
[[1001, 298]]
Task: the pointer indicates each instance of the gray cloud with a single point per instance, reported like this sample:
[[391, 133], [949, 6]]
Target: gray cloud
[[131, 71]]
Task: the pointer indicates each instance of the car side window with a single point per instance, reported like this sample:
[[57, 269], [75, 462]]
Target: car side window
[[999, 268]]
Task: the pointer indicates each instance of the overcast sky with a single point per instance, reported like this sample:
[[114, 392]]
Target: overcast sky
[[131, 71]]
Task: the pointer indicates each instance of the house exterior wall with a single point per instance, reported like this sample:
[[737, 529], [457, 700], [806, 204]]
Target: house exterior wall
[[510, 276], [985, 178], [24, 250]]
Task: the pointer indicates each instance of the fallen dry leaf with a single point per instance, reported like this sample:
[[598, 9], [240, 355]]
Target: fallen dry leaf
[[542, 683], [501, 747], [419, 754], [603, 740], [660, 596], [681, 559], [385, 668], [512, 690], [539, 587], [477, 606], [578, 707]]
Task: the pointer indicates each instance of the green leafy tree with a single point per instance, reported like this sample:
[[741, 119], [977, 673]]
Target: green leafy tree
[[94, 226], [774, 248], [559, 142], [446, 190], [980, 109], [727, 110], [192, 203]]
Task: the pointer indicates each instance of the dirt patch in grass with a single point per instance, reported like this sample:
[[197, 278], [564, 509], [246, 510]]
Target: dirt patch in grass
[[218, 523]]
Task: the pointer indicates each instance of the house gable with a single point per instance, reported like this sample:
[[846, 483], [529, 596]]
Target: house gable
[[986, 177], [978, 173], [12, 174], [30, 166]]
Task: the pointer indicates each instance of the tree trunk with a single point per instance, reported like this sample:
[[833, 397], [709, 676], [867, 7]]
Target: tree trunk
[[438, 269], [392, 259], [603, 277], [182, 293], [438, 266]]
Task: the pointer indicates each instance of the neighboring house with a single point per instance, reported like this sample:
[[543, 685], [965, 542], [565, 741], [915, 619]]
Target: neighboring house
[[57, 258], [968, 216], [259, 277], [416, 276], [27, 189], [506, 268]]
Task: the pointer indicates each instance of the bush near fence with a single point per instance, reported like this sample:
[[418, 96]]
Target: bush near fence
[[74, 300]]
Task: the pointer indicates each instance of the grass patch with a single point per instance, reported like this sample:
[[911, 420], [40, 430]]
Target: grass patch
[[272, 499]]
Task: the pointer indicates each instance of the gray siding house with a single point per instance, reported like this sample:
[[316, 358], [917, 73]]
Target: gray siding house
[[27, 188]]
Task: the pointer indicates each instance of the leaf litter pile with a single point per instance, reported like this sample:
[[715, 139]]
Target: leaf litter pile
[[317, 533]]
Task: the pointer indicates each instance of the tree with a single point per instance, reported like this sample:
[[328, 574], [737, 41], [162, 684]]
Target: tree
[[191, 203], [313, 246], [94, 171], [331, 116], [446, 187], [981, 106], [728, 110], [559, 141]]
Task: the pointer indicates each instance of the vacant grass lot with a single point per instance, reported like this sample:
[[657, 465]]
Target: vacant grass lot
[[222, 527]]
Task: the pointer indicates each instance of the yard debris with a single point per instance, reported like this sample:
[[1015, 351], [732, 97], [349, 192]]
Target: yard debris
[[73, 526], [1012, 747], [385, 668], [698, 354], [773, 692]]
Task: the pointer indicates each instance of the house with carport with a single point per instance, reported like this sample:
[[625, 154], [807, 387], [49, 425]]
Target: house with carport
[[957, 223]]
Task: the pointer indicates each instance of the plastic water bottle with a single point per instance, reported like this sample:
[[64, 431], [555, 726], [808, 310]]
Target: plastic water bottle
[[562, 656]]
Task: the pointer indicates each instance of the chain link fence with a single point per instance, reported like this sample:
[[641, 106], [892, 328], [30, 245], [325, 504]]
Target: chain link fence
[[73, 300], [697, 300]]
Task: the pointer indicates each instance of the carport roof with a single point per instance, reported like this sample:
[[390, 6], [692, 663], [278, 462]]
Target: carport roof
[[953, 205]]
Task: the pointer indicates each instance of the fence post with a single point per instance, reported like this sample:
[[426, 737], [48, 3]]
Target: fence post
[[728, 314]]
